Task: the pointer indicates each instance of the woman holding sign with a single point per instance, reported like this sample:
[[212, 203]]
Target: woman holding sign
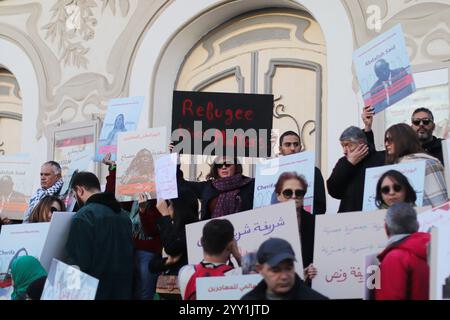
[[394, 187], [403, 145], [225, 191], [291, 186]]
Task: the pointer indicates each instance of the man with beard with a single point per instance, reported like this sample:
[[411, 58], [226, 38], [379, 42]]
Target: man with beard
[[100, 240], [422, 122]]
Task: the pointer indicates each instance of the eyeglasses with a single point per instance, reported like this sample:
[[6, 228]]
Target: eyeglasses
[[53, 209], [288, 193], [388, 140], [387, 189], [425, 122], [222, 165]]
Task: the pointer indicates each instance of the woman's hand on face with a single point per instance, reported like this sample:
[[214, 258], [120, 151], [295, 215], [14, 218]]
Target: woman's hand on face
[[310, 272]]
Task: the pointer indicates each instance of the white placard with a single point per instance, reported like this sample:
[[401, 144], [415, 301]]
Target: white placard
[[268, 172], [413, 171], [226, 287], [166, 177], [251, 228], [440, 262], [65, 282], [341, 243], [434, 216]]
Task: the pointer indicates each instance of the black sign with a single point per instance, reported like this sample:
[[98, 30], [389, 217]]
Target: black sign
[[220, 122]]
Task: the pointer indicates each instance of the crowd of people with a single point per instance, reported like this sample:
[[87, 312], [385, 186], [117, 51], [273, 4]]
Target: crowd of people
[[128, 246]]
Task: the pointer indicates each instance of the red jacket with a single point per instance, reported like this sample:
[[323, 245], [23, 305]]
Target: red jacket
[[404, 269]]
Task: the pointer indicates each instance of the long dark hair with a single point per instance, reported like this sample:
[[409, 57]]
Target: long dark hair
[[39, 213], [405, 142], [410, 194]]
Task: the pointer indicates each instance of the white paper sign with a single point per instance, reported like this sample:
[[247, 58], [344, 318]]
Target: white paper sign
[[226, 287], [341, 243], [136, 156], [414, 171], [268, 172], [432, 217], [166, 177], [16, 185], [440, 262], [65, 282], [251, 228]]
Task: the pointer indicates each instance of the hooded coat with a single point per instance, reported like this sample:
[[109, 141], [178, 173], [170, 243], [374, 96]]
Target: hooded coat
[[404, 269]]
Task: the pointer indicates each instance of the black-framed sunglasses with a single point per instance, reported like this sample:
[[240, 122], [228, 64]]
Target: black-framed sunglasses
[[425, 122], [388, 140], [222, 165], [53, 209], [387, 189], [288, 193]]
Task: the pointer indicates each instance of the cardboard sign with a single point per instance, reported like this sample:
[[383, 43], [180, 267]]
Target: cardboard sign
[[122, 116], [136, 157], [341, 243], [251, 228], [226, 287], [166, 177], [440, 262], [65, 282], [383, 69], [16, 185], [44, 241], [246, 115], [414, 171], [434, 216], [268, 172]]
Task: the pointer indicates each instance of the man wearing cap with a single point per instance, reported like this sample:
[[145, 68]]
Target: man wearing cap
[[347, 179], [280, 281]]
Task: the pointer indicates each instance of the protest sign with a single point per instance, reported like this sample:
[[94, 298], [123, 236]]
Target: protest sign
[[136, 157], [122, 116], [383, 70], [413, 171], [341, 243], [440, 262], [446, 153], [251, 228], [226, 287], [16, 185], [65, 282], [268, 172], [206, 116], [433, 216], [166, 177]]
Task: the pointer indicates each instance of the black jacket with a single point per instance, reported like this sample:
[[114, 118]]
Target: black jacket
[[307, 226], [300, 291], [320, 199], [100, 242], [205, 191], [434, 149], [347, 181]]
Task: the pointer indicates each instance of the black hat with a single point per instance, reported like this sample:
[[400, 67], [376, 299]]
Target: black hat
[[275, 250]]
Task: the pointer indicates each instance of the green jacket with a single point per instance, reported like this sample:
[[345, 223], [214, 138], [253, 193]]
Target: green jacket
[[100, 243]]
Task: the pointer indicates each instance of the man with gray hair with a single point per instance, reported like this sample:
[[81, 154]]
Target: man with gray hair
[[51, 184], [404, 270], [347, 179]]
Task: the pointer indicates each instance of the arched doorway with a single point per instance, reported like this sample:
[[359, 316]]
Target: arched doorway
[[10, 113], [277, 51]]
